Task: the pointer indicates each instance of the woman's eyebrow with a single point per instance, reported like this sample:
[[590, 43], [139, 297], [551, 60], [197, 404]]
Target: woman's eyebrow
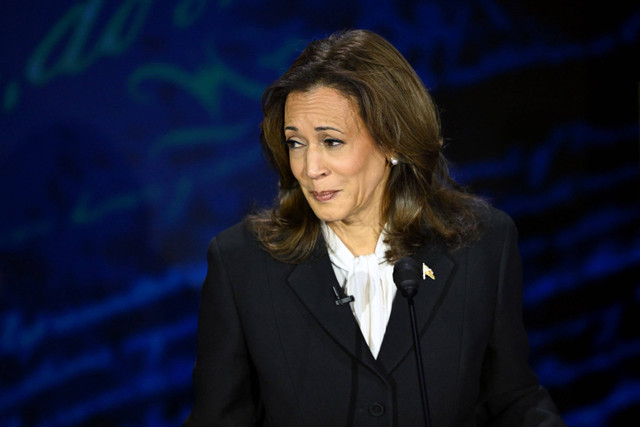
[[322, 128], [317, 129]]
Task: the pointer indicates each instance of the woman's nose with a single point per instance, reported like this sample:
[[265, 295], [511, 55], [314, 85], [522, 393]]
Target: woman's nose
[[315, 165]]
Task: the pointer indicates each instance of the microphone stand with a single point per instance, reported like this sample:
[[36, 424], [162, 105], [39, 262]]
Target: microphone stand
[[406, 275], [418, 352]]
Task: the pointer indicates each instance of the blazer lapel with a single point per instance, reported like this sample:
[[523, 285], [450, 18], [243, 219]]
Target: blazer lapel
[[313, 281], [398, 340]]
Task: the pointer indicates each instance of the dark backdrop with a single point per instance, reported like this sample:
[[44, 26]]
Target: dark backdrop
[[129, 137]]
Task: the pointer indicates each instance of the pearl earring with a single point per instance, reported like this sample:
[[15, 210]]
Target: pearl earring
[[394, 161]]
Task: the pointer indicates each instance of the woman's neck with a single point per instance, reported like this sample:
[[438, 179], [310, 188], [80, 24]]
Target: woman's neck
[[359, 238]]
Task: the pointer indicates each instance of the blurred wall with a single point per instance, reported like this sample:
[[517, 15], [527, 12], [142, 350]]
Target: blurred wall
[[129, 137]]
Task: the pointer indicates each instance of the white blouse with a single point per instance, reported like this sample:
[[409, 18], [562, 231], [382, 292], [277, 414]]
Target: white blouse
[[369, 279]]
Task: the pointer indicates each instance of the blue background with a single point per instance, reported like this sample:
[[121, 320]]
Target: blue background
[[129, 137]]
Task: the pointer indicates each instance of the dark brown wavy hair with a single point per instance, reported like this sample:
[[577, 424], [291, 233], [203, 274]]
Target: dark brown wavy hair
[[421, 202]]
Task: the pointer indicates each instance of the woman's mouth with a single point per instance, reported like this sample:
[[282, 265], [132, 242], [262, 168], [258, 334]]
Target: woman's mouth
[[323, 196]]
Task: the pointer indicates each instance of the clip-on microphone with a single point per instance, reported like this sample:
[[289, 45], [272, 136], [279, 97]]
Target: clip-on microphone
[[406, 275], [342, 300]]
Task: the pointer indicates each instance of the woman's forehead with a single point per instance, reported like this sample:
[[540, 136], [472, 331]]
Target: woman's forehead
[[320, 104]]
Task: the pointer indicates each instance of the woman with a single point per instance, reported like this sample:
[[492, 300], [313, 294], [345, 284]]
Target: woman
[[299, 321]]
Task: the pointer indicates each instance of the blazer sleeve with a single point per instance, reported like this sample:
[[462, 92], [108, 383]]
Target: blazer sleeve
[[511, 394], [223, 377]]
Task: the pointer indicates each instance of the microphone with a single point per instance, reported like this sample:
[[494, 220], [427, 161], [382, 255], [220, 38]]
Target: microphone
[[342, 300], [406, 275]]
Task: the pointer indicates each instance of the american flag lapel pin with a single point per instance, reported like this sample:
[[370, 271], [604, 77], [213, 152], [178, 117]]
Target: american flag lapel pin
[[426, 271]]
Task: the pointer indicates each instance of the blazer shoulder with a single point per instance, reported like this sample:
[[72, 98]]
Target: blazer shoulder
[[497, 230], [494, 217], [494, 221], [237, 240]]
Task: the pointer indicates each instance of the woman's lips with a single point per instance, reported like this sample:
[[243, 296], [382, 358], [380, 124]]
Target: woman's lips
[[323, 196]]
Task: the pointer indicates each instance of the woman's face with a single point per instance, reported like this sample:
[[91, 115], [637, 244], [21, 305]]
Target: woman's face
[[334, 158]]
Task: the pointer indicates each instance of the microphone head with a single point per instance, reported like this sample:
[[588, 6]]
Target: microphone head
[[406, 275]]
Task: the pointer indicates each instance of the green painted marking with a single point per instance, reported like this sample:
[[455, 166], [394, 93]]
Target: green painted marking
[[188, 11], [86, 213], [204, 85], [192, 137], [11, 96], [63, 50], [22, 233]]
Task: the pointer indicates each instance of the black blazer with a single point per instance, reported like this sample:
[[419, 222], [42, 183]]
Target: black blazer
[[275, 350]]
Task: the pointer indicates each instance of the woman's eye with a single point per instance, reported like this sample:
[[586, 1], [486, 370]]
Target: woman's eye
[[292, 143], [332, 142]]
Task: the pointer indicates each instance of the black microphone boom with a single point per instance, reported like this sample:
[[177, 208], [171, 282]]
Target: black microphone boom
[[406, 275]]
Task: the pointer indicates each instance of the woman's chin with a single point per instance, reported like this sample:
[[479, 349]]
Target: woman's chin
[[326, 216]]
